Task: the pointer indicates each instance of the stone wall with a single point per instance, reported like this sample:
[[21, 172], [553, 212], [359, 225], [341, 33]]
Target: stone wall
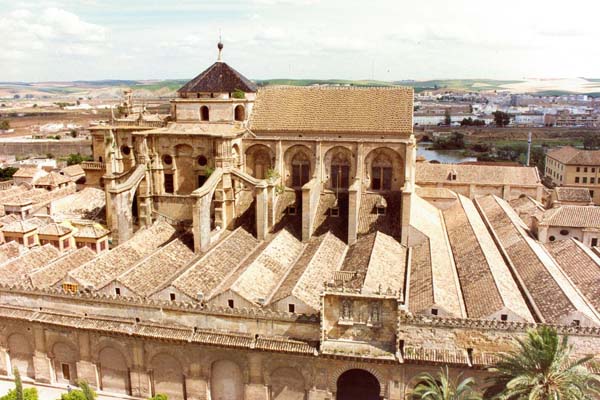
[[58, 148]]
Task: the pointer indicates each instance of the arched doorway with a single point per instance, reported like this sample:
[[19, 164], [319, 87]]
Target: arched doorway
[[358, 384], [240, 113], [21, 354], [114, 373], [226, 381], [258, 161], [167, 375]]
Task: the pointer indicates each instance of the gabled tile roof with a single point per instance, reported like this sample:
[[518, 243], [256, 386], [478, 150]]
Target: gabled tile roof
[[572, 216], [52, 179], [219, 77], [92, 231], [333, 110], [54, 230], [478, 174], [15, 271], [571, 155], [575, 194], [50, 274]]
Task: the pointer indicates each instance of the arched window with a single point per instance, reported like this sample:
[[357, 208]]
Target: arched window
[[340, 171], [240, 113], [262, 162], [381, 173], [204, 113], [125, 150], [300, 169]]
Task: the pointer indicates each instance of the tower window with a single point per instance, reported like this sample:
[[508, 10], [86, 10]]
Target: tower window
[[240, 113], [204, 113], [169, 186]]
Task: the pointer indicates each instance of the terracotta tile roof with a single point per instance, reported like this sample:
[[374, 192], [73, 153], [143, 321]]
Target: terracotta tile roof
[[11, 192], [572, 216], [26, 172], [421, 279], [581, 265], [15, 271], [113, 263], [333, 109], [261, 277], [213, 129], [527, 209], [151, 272], [571, 155], [553, 295], [428, 221], [357, 260], [83, 204], [219, 77], [446, 356], [10, 250], [368, 219], [54, 230], [320, 258], [284, 345], [19, 227], [479, 174], [387, 267], [73, 171], [486, 282], [574, 194], [209, 271], [435, 193], [52, 179], [50, 274], [91, 231]]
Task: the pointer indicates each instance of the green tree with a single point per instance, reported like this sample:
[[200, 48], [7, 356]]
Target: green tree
[[443, 387], [18, 393], [238, 94], [7, 173], [159, 397], [4, 125], [84, 392], [540, 368], [501, 118], [73, 159], [591, 142]]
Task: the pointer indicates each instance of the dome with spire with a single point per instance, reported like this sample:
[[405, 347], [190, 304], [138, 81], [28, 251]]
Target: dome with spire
[[218, 78]]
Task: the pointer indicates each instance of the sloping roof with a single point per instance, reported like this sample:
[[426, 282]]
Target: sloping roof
[[479, 174], [52, 179], [73, 170], [52, 273], [573, 216], [27, 172], [15, 271], [573, 194], [581, 265], [571, 155], [19, 227], [333, 109], [219, 77], [54, 230], [92, 231]]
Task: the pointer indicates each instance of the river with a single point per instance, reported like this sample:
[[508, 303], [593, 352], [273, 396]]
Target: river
[[443, 156]]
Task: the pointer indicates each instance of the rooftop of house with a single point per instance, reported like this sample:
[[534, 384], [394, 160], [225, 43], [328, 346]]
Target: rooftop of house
[[478, 174], [52, 179], [54, 229], [573, 194], [91, 231], [333, 110], [572, 216], [571, 156], [27, 172]]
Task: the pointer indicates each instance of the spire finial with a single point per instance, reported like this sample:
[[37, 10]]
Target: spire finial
[[220, 47]]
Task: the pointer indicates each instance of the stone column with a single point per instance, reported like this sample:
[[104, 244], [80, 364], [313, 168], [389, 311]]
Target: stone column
[[86, 369], [307, 211], [279, 167], [41, 362], [354, 197], [262, 211], [255, 388]]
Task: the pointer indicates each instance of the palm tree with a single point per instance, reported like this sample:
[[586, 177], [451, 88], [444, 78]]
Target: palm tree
[[540, 369], [88, 393], [442, 387]]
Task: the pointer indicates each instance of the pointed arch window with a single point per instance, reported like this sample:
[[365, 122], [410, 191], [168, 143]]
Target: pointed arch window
[[340, 171], [300, 169], [381, 173]]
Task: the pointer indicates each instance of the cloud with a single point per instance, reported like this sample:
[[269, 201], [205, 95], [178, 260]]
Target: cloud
[[53, 32]]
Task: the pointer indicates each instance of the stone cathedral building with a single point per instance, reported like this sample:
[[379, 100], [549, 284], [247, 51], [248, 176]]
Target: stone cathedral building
[[284, 243]]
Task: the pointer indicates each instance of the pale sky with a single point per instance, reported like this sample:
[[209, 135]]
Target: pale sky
[[348, 39]]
